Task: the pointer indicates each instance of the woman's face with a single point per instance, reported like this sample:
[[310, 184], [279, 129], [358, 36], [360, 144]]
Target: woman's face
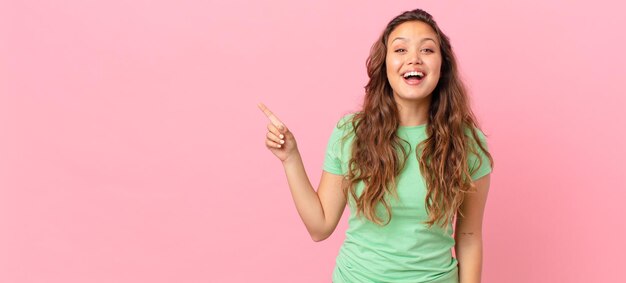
[[413, 61]]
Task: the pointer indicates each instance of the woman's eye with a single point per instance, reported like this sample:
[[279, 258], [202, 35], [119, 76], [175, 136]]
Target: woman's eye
[[400, 50], [428, 50]]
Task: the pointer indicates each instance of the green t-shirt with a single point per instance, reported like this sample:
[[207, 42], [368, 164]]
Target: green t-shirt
[[405, 250]]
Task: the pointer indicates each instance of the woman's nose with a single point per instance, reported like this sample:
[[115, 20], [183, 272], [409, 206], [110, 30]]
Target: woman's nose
[[414, 58]]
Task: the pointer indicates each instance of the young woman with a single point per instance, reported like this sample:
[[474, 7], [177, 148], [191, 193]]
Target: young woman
[[405, 164]]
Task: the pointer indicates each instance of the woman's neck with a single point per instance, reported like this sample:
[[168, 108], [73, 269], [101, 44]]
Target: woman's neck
[[413, 114]]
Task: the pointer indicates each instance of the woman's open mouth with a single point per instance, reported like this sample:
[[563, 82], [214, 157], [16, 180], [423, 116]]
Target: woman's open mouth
[[413, 77]]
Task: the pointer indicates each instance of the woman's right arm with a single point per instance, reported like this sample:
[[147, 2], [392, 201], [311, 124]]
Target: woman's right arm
[[320, 211]]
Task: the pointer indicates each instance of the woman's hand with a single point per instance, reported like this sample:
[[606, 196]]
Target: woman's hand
[[279, 140]]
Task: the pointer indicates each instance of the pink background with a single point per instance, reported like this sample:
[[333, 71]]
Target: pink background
[[131, 148]]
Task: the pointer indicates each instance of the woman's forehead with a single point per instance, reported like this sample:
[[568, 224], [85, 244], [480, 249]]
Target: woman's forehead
[[413, 31]]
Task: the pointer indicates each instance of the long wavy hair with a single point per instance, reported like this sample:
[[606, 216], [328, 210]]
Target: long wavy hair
[[377, 152]]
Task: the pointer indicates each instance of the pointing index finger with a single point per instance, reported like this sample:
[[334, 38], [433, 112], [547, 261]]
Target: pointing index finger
[[270, 115]]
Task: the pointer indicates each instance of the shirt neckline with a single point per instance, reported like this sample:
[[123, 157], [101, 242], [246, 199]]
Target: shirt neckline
[[412, 128]]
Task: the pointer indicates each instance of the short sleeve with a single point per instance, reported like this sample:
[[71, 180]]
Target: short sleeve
[[478, 169], [334, 149]]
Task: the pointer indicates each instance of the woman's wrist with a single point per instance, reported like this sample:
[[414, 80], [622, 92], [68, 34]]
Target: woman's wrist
[[292, 159]]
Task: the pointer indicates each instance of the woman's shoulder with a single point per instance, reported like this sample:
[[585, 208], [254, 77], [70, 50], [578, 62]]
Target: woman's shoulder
[[471, 129], [345, 123], [344, 128]]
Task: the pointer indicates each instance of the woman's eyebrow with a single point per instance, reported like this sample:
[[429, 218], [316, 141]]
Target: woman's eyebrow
[[422, 40], [400, 38]]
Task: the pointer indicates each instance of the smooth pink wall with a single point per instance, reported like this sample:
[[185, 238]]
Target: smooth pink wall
[[131, 148]]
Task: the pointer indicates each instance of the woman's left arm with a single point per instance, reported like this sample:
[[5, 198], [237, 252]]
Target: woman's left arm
[[468, 232]]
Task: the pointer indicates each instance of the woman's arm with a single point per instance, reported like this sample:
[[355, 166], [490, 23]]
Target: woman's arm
[[468, 232], [320, 211]]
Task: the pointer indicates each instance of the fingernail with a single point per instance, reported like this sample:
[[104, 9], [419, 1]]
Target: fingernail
[[282, 141], [279, 145], [282, 136]]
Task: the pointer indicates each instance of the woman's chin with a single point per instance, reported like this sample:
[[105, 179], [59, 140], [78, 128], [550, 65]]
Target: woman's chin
[[412, 96]]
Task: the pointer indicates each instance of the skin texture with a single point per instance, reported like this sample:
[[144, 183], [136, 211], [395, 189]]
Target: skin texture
[[411, 46], [468, 232]]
